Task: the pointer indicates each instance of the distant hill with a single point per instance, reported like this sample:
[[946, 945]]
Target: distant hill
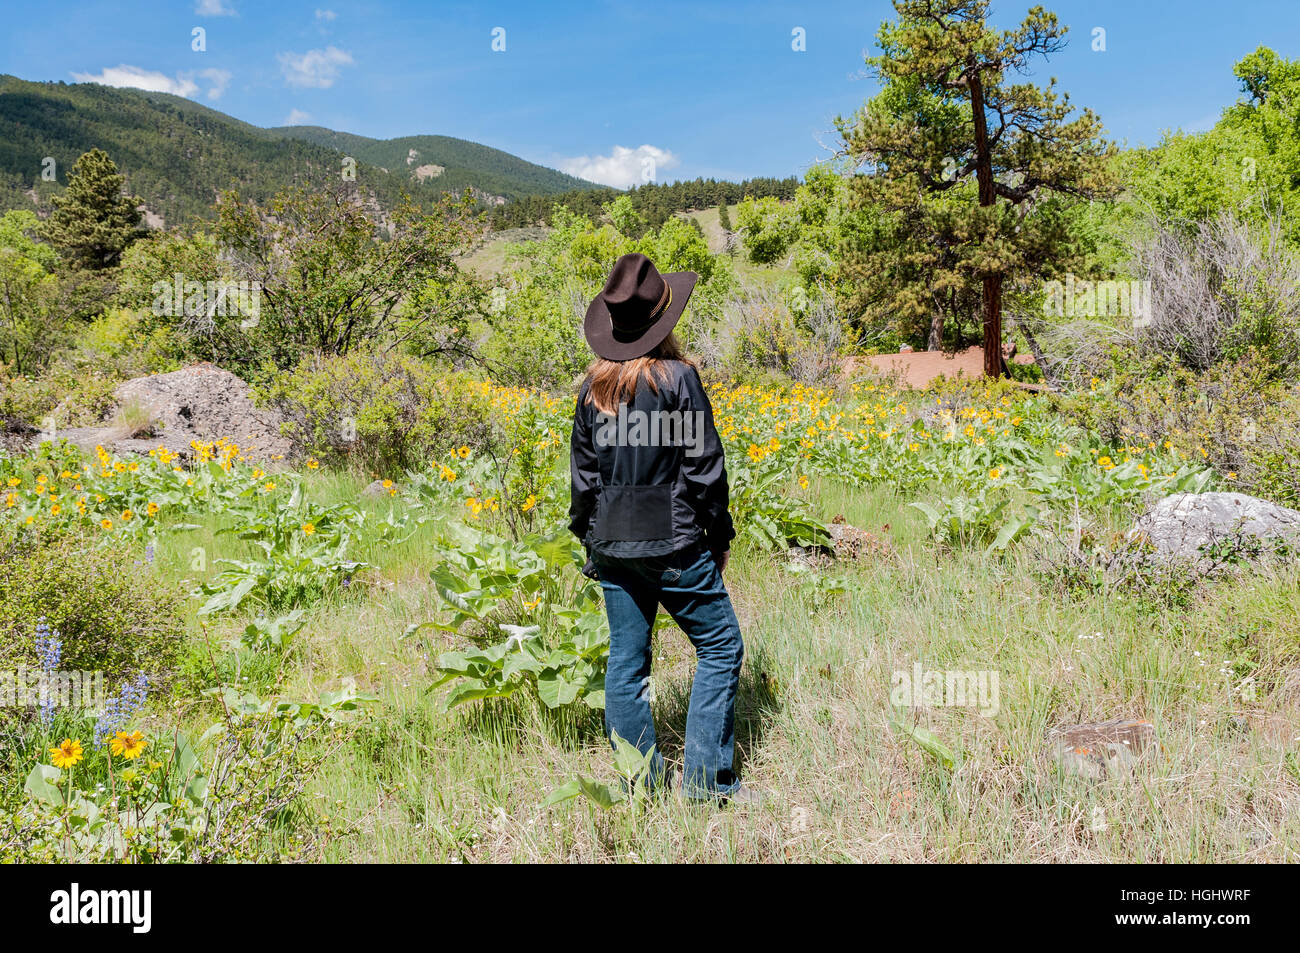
[[178, 154], [454, 163]]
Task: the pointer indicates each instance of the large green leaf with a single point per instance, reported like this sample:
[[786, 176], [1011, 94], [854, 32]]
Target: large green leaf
[[42, 783], [929, 744]]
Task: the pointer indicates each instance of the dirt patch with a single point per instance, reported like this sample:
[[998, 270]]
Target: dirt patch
[[919, 368], [420, 173]]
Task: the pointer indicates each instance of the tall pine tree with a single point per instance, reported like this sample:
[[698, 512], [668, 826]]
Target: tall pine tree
[[964, 160], [94, 220]]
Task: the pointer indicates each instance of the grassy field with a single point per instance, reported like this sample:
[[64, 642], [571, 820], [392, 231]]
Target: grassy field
[[418, 784], [852, 771]]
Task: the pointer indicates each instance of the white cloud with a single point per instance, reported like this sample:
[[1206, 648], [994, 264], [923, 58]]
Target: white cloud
[[182, 84], [296, 117], [624, 167], [220, 79], [325, 15], [316, 68], [213, 8]]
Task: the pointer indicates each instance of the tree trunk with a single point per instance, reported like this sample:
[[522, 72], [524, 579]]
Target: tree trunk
[[994, 366], [1054, 380], [935, 340]]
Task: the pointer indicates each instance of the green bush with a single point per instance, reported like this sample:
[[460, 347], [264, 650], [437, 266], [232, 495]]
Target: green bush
[[533, 336], [112, 615], [1236, 417], [77, 388], [380, 411]]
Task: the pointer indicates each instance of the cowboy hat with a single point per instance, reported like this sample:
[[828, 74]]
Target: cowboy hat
[[637, 308]]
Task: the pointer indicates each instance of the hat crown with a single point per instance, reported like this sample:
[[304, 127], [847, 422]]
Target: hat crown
[[634, 289]]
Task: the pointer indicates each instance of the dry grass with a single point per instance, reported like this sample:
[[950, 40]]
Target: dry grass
[[814, 724]]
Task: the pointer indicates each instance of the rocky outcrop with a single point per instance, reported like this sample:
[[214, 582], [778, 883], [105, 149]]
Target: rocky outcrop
[[199, 403], [1182, 526]]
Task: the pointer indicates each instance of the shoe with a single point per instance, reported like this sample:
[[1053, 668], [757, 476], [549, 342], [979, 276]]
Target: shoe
[[745, 796]]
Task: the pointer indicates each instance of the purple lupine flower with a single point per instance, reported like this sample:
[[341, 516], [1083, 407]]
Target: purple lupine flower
[[49, 649], [129, 699]]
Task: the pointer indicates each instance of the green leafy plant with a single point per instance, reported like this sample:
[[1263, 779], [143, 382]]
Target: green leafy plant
[[636, 780]]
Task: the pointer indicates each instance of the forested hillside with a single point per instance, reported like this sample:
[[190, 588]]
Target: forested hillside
[[457, 163], [653, 202], [177, 154]]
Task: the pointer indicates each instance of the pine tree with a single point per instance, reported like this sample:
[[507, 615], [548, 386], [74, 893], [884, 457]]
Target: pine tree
[[947, 115], [94, 220]]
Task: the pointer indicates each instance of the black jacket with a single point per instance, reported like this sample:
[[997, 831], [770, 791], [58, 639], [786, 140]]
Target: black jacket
[[650, 479]]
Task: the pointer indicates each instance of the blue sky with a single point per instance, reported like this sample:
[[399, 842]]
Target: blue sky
[[706, 89]]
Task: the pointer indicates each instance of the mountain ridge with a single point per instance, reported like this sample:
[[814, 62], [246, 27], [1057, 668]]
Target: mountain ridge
[[178, 154]]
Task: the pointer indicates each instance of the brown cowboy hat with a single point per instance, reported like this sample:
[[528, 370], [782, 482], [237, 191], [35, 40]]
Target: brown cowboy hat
[[637, 308]]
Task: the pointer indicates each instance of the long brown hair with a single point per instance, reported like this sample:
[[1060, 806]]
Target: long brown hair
[[615, 382]]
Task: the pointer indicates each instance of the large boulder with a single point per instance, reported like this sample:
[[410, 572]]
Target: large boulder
[[199, 403], [1178, 526]]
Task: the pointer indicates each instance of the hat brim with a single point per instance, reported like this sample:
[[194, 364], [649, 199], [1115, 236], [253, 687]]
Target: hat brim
[[607, 343]]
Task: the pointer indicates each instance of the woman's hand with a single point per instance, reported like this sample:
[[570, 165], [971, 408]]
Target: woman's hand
[[722, 559]]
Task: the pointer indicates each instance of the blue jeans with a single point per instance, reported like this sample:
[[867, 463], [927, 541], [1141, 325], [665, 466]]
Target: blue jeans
[[690, 587]]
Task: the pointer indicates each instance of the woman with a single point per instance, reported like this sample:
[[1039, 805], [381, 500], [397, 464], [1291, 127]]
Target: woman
[[649, 502]]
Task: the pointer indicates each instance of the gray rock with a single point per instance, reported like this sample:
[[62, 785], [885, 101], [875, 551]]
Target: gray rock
[[202, 402], [1179, 525], [377, 488]]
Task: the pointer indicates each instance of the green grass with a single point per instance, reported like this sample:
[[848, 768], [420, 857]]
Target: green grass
[[814, 718]]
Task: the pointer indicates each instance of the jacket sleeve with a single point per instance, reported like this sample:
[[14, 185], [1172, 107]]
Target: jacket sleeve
[[584, 471], [705, 473]]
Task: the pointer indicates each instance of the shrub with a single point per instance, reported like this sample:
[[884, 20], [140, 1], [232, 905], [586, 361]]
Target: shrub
[[1234, 417], [762, 333], [1222, 291], [77, 388], [111, 616], [381, 411], [769, 227], [1229, 288]]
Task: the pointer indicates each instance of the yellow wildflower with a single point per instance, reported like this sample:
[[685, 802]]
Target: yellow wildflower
[[67, 754], [128, 746]]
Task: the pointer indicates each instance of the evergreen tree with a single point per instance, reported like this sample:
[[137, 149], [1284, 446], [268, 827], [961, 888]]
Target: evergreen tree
[[94, 220], [946, 115]]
